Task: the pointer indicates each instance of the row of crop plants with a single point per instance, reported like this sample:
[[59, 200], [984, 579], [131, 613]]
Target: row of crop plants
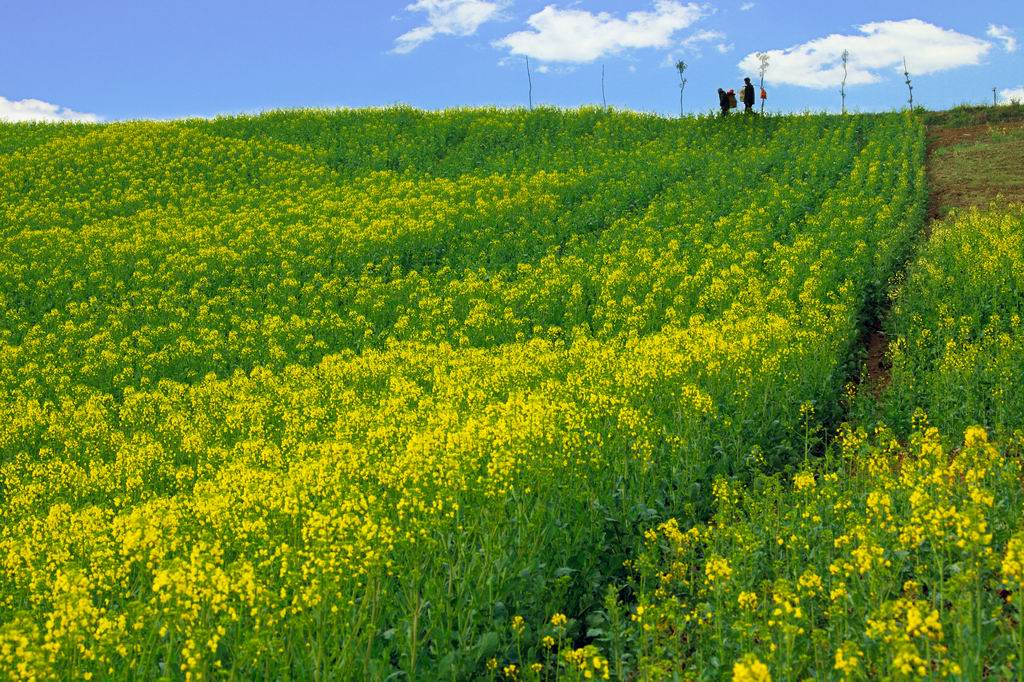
[[900, 554]]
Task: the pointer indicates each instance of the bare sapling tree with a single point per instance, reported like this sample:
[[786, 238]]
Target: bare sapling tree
[[842, 88], [762, 57], [604, 99], [910, 88], [529, 79], [681, 68]]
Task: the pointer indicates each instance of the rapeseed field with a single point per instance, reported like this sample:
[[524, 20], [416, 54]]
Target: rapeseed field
[[957, 319], [533, 395], [896, 556]]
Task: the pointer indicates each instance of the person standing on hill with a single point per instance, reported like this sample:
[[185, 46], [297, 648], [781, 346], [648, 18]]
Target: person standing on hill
[[748, 95], [723, 101]]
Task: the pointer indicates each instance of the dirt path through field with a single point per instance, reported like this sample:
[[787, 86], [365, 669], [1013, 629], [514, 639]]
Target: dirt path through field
[[877, 362], [967, 166]]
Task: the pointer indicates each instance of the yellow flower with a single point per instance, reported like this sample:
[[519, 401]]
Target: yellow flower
[[1013, 562], [837, 592], [559, 620], [810, 582], [847, 658], [879, 504], [869, 556], [803, 480], [975, 436], [588, 661], [919, 624], [908, 662], [717, 570], [748, 600], [750, 669]]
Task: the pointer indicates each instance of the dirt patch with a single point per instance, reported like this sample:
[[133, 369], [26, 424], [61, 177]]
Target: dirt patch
[[947, 137], [974, 166], [878, 375]]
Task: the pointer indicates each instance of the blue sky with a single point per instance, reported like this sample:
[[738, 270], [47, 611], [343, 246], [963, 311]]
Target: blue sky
[[119, 59]]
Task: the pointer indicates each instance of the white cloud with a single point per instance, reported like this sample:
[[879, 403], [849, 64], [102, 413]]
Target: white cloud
[[747, 6], [38, 110], [447, 17], [1003, 34], [725, 49], [703, 36], [1012, 94], [578, 36], [881, 48]]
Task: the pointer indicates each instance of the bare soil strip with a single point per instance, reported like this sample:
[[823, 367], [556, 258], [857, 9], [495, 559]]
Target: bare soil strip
[[967, 166]]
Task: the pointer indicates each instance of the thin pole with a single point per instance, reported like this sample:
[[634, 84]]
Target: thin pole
[[763, 58], [529, 78], [842, 90], [995, 102], [603, 98], [761, 88], [910, 88]]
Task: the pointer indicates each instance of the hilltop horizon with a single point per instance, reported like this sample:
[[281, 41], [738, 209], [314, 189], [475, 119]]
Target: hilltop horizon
[[125, 61], [694, 115]]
